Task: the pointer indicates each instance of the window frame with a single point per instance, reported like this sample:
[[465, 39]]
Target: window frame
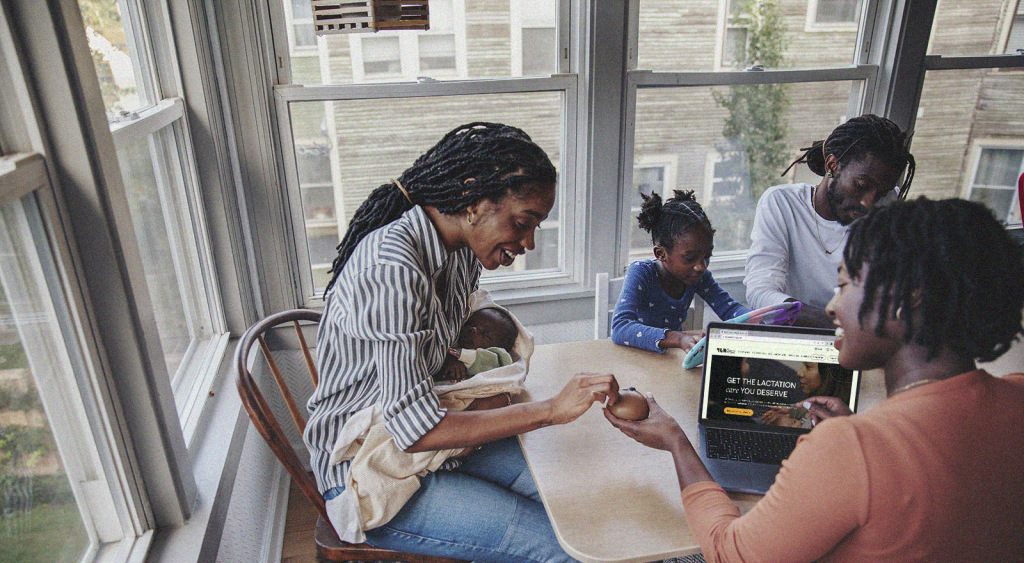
[[99, 484], [197, 373]]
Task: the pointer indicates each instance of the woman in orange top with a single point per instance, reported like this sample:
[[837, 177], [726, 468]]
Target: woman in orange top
[[934, 471]]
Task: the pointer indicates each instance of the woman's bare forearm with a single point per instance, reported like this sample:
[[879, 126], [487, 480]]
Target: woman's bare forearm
[[463, 429], [689, 468]]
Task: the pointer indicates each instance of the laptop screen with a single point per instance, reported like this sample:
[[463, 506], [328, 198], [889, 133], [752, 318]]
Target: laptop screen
[[758, 374]]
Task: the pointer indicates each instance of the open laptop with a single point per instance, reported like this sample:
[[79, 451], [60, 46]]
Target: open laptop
[[755, 378]]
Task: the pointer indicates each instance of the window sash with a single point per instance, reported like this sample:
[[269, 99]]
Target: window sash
[[566, 84], [181, 204]]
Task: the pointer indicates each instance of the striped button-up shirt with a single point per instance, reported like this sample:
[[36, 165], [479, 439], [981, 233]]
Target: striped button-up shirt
[[387, 324]]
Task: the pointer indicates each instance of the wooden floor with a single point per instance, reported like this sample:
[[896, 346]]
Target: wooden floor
[[298, 529]]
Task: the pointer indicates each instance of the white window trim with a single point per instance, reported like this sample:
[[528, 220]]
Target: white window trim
[[811, 25], [979, 145]]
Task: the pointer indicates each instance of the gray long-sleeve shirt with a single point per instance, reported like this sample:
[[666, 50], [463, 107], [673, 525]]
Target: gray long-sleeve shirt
[[788, 255]]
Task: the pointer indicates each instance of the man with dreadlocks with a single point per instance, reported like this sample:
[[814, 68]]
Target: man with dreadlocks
[[402, 280], [799, 230], [933, 472]]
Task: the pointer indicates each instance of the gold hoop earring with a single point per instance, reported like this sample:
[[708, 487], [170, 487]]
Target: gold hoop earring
[[899, 312], [471, 218]]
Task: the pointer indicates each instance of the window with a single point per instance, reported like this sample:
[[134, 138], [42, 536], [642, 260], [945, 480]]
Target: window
[[830, 13], [382, 57], [301, 34], [1015, 35], [59, 501], [733, 35], [343, 139], [995, 181], [651, 174], [734, 132], [164, 207], [534, 38], [962, 141], [395, 56]]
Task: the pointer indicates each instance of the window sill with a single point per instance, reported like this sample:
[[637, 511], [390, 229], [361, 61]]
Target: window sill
[[215, 450]]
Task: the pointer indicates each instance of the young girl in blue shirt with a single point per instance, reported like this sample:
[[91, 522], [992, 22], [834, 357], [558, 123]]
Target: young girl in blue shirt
[[656, 294]]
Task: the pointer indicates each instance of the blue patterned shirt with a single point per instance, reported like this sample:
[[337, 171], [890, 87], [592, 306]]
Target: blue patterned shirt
[[645, 313]]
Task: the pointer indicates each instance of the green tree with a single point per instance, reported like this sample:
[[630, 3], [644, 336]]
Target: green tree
[[755, 124]]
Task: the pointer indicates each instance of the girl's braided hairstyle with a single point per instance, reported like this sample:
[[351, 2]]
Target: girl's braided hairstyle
[[860, 136], [473, 162], [680, 214], [956, 258]]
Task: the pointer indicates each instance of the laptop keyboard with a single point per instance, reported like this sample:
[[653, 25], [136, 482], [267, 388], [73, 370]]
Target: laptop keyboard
[[740, 445]]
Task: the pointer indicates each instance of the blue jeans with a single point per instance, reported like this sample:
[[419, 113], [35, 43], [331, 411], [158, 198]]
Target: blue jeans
[[488, 509]]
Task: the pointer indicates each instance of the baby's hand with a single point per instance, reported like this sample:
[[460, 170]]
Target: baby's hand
[[451, 370]]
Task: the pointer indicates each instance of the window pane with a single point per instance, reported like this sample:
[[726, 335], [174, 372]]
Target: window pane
[[539, 51], [964, 114], [41, 519], [373, 141], [1015, 39], [161, 218], [837, 11], [688, 35], [481, 46], [726, 156], [998, 167], [437, 52], [646, 180], [970, 27], [381, 56], [998, 201], [118, 66]]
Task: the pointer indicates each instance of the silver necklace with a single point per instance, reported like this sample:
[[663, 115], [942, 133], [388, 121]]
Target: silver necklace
[[817, 228]]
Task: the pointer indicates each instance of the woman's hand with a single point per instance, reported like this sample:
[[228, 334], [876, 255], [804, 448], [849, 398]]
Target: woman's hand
[[659, 430], [579, 393], [826, 407]]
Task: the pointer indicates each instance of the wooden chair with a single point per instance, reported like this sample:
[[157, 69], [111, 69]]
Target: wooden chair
[[606, 294], [328, 546]]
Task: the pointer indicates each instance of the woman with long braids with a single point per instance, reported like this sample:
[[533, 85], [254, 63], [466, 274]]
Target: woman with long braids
[[402, 280], [933, 472], [799, 229]]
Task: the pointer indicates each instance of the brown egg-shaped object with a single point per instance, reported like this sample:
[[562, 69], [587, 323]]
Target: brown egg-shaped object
[[632, 405]]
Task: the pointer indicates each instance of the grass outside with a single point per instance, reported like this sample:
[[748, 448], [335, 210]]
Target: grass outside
[[49, 532]]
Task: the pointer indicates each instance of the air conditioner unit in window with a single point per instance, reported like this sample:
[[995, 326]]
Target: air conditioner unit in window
[[340, 16]]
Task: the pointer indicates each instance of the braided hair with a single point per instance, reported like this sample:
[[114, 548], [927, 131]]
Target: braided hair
[[678, 215], [472, 162], [954, 257], [858, 137]]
